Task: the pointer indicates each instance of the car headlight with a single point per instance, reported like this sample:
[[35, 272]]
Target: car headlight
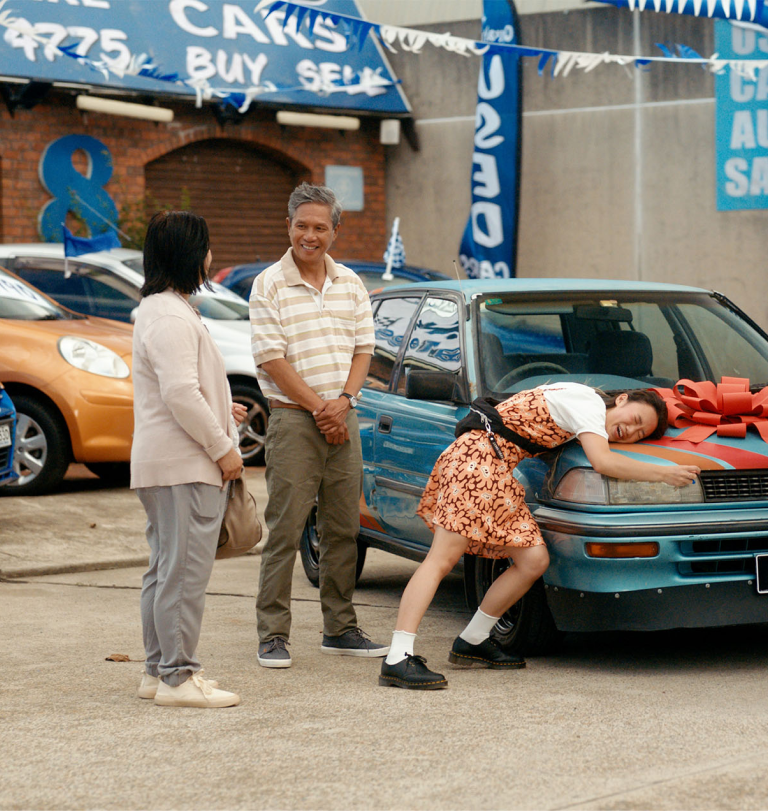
[[585, 486], [92, 357]]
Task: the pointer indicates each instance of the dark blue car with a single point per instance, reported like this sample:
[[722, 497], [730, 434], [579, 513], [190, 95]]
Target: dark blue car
[[7, 437], [240, 278]]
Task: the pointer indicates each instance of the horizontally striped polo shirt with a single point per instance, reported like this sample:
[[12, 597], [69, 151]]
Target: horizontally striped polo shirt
[[286, 322]]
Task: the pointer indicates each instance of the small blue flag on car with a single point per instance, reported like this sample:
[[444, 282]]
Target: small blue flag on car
[[394, 256], [75, 246]]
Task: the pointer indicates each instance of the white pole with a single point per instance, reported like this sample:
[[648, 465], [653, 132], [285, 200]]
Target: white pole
[[387, 275]]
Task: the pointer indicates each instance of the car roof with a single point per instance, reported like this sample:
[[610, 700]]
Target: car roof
[[470, 288], [358, 265], [56, 250]]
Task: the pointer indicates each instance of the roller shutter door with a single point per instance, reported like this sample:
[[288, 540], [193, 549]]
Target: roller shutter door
[[241, 191]]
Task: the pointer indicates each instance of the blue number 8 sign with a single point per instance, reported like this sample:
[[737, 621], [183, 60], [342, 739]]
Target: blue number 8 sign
[[84, 195]]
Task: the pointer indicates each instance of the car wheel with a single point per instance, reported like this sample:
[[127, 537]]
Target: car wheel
[[527, 628], [42, 453], [117, 474], [253, 429], [309, 549]]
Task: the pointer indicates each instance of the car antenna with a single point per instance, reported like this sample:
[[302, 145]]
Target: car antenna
[[458, 277]]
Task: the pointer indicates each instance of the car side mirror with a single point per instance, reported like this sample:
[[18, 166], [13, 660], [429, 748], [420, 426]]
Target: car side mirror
[[133, 314], [429, 385]]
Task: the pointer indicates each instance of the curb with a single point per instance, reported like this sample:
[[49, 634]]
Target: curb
[[72, 568]]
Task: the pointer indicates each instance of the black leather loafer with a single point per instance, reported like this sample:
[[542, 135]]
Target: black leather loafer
[[411, 674], [487, 654]]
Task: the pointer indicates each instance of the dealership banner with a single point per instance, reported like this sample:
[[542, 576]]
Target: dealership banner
[[741, 121], [186, 46], [489, 244]]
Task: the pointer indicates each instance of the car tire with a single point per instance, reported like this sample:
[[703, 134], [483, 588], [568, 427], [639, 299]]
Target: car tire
[[527, 628], [253, 430], [117, 474], [309, 549], [42, 453]]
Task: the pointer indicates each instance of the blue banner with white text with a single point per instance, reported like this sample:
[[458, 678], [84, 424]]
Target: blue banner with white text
[[741, 121], [489, 245], [231, 50]]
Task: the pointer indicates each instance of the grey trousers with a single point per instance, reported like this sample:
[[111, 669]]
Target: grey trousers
[[302, 466], [183, 523]]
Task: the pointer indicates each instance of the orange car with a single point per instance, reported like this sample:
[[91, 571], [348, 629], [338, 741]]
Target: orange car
[[69, 377]]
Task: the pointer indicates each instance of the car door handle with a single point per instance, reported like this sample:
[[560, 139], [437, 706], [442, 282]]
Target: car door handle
[[385, 424]]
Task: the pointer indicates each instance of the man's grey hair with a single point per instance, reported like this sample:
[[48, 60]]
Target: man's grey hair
[[311, 193]]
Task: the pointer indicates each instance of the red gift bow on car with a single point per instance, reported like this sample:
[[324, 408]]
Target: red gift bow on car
[[727, 408]]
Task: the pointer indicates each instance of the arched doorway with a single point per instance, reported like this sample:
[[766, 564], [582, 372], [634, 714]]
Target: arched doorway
[[241, 191]]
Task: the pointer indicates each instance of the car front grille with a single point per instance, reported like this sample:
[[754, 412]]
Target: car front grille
[[735, 556], [735, 485]]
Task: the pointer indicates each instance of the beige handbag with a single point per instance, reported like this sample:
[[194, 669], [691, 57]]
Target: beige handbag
[[240, 529]]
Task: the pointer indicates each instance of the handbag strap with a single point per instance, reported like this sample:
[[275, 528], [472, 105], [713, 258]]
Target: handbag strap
[[488, 419]]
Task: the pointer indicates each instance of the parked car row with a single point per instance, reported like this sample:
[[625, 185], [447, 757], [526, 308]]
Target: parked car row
[[106, 284], [59, 316], [239, 279], [625, 555]]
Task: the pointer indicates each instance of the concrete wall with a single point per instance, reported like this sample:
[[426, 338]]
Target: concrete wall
[[618, 164]]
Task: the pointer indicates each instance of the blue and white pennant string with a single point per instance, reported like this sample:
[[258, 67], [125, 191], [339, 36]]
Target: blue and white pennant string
[[356, 31]]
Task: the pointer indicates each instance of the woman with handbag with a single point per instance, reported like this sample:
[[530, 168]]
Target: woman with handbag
[[185, 450], [475, 505]]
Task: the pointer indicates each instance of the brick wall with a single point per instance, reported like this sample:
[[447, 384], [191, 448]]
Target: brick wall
[[134, 143]]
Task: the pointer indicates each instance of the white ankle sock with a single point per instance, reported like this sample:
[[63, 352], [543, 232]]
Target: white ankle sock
[[479, 628], [402, 643]]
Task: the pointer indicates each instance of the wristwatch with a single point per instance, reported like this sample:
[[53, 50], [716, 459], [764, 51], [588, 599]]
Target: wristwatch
[[351, 397]]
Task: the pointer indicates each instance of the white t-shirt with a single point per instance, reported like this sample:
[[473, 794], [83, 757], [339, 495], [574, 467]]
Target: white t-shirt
[[576, 408]]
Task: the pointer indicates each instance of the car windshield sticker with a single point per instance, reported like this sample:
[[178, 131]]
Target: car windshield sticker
[[10, 288]]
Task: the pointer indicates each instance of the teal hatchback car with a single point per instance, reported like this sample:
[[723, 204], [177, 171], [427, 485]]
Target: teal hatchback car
[[624, 555]]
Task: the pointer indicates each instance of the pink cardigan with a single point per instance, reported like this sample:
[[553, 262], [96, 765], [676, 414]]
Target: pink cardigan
[[182, 404]]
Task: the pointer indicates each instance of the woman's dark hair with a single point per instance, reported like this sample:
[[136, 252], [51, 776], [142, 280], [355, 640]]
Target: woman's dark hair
[[641, 396], [174, 253]]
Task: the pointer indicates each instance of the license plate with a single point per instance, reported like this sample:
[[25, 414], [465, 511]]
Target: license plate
[[761, 565], [5, 436]]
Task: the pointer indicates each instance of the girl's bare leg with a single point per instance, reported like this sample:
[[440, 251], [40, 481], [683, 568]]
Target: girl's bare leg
[[530, 564], [445, 552]]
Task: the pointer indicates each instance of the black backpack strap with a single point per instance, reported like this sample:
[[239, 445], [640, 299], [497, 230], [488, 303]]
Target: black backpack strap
[[483, 416]]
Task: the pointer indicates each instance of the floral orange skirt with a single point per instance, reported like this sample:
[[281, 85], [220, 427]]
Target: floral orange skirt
[[473, 493]]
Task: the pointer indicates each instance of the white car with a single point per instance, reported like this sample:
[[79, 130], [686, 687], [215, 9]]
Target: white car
[[107, 284]]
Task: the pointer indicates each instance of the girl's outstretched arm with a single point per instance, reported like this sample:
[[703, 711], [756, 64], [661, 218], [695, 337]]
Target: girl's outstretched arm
[[618, 466]]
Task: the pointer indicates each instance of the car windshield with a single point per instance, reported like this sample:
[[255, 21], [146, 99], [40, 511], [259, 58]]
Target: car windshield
[[136, 264], [23, 303], [615, 340], [219, 308]]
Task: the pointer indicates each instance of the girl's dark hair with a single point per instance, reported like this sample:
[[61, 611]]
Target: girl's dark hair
[[174, 253], [641, 396]]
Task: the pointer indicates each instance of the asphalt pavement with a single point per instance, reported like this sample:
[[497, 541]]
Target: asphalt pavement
[[674, 720]]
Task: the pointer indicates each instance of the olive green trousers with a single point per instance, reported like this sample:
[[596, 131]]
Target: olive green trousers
[[303, 469]]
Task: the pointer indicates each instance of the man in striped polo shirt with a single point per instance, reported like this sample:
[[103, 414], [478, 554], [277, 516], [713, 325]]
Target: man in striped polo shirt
[[312, 341]]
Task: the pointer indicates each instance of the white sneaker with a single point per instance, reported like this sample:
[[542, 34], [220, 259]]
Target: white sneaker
[[149, 684], [194, 692]]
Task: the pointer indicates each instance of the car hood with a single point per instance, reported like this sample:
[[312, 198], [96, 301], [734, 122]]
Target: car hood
[[112, 334], [715, 453]]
